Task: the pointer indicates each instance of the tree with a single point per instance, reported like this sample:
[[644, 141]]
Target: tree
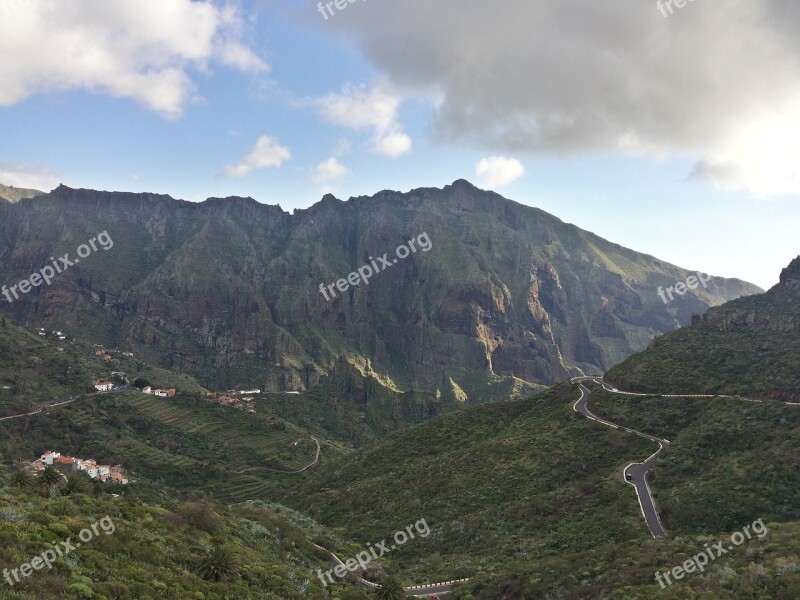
[[22, 479], [49, 479], [75, 484], [390, 590], [220, 564]]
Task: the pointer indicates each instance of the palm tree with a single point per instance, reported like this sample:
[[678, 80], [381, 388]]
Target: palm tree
[[219, 564], [49, 479], [22, 479], [390, 590], [75, 484]]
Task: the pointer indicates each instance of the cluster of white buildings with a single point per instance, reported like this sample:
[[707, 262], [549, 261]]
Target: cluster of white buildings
[[57, 334], [161, 393], [105, 473]]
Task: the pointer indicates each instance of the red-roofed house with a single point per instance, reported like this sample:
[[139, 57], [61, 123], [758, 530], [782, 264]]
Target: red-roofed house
[[65, 461], [104, 386], [118, 478]]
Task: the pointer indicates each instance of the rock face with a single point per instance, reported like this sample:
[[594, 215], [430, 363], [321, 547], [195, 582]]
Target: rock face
[[790, 276], [228, 290]]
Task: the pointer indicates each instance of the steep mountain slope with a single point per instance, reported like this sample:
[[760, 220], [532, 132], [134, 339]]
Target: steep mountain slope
[[12, 194], [504, 296], [750, 346]]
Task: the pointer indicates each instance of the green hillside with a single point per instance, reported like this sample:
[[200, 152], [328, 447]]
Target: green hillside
[[729, 461], [187, 442], [750, 346], [497, 484], [32, 370]]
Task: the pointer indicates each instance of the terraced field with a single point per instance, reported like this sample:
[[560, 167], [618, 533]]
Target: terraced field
[[258, 447], [183, 441]]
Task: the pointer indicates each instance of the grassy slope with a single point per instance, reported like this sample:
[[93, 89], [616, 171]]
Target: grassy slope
[[762, 569], [730, 461], [34, 371], [497, 484], [749, 346]]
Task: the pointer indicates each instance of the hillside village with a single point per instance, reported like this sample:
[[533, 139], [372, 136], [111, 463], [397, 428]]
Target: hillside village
[[70, 464]]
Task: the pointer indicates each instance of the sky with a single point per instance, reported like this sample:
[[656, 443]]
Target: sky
[[671, 131]]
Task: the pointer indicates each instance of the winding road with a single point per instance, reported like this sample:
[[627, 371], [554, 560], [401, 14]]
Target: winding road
[[635, 473], [638, 471]]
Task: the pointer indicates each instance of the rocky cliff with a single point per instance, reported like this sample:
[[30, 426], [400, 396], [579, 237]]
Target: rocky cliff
[[228, 290]]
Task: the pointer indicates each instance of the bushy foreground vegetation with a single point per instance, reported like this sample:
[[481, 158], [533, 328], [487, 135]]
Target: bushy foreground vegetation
[[178, 548]]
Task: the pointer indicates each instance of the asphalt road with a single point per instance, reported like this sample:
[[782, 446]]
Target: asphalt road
[[637, 471], [417, 591]]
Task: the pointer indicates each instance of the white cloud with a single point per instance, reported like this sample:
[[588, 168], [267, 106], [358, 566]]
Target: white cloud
[[141, 50], [497, 171], [23, 175], [358, 107], [562, 77], [328, 171], [395, 144], [267, 153]]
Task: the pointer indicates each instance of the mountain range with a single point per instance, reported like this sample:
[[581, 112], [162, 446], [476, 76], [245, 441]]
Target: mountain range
[[506, 298]]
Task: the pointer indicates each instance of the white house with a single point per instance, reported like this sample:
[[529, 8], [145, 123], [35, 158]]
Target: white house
[[243, 392], [89, 467], [49, 457], [103, 386], [147, 390], [161, 393]]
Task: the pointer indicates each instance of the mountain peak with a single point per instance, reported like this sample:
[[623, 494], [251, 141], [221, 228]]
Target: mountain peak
[[790, 276], [463, 183]]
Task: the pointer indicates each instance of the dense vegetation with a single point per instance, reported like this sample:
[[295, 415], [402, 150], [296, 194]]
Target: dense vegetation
[[760, 569], [497, 484], [163, 544], [730, 461]]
